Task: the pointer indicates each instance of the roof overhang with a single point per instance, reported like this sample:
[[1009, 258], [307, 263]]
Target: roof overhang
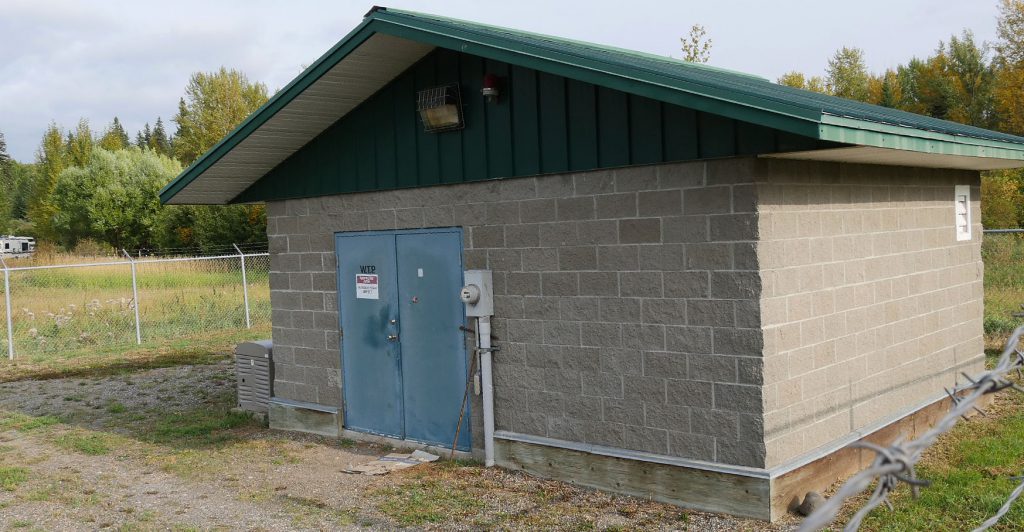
[[896, 157], [330, 88], [888, 144], [387, 43]]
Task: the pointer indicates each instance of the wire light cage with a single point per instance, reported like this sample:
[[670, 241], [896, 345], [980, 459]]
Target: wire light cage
[[440, 108]]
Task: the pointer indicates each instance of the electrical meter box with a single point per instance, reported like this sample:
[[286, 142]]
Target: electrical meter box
[[477, 294]]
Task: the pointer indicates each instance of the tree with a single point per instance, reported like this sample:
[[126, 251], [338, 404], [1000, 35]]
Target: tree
[[1003, 200], [696, 46], [799, 81], [22, 181], [847, 75], [4, 156], [1008, 98], [158, 140], [143, 137], [112, 199], [886, 89], [213, 105], [971, 76], [115, 137], [1010, 30], [51, 159], [6, 182], [79, 144]]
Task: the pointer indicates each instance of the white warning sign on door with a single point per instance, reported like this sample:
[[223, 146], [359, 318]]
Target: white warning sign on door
[[366, 287]]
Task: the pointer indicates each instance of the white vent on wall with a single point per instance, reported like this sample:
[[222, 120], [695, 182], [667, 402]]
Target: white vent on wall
[[962, 198]]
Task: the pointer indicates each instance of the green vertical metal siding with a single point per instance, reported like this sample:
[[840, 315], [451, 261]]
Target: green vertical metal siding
[[542, 123]]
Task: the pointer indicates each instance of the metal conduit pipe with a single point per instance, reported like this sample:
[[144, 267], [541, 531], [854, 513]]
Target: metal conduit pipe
[[483, 327]]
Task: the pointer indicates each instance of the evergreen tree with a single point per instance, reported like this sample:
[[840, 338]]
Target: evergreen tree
[[79, 144], [7, 187], [23, 179], [115, 137], [158, 140], [143, 137]]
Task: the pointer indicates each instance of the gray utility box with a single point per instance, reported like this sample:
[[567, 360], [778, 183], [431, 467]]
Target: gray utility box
[[254, 371]]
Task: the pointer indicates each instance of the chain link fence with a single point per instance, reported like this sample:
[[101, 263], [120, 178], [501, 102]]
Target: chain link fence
[[1002, 250], [64, 308]]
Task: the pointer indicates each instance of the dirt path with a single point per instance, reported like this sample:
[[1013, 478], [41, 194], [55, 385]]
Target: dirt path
[[159, 450]]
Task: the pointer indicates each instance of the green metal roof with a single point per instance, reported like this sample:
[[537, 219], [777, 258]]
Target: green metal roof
[[704, 88]]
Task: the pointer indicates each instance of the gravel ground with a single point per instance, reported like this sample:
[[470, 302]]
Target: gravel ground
[[103, 464]]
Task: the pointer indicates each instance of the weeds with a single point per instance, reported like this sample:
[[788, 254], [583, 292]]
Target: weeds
[[91, 444], [198, 428], [66, 312], [427, 501], [22, 423], [11, 477], [1004, 286]]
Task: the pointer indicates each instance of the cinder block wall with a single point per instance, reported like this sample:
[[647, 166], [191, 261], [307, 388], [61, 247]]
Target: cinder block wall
[[870, 304], [626, 301]]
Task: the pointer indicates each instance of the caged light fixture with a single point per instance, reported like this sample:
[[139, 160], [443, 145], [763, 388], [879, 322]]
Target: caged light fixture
[[440, 108]]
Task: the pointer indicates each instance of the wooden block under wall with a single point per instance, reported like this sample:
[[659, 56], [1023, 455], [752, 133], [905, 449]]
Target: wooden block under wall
[[697, 489], [789, 488]]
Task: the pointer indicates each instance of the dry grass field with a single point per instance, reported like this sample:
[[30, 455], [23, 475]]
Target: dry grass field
[[71, 311]]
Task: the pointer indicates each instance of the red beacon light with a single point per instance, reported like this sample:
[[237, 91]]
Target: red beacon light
[[491, 87]]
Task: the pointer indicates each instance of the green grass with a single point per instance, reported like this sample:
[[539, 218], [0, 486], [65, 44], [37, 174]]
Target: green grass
[[88, 443], [72, 311], [1004, 285], [22, 423], [102, 361], [197, 428], [426, 501], [11, 477], [971, 472]]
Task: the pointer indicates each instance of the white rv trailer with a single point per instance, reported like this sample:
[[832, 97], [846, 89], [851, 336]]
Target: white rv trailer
[[17, 245]]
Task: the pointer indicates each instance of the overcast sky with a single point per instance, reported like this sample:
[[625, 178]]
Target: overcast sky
[[65, 59]]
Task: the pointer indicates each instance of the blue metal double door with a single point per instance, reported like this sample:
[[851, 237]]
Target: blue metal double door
[[403, 352]]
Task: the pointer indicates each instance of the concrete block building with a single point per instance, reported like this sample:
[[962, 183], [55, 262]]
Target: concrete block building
[[705, 284]]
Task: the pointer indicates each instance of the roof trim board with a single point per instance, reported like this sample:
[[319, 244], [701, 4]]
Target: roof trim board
[[319, 67], [854, 131], [896, 157], [733, 95]]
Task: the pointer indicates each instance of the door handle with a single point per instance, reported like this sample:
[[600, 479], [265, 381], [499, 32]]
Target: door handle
[[392, 337]]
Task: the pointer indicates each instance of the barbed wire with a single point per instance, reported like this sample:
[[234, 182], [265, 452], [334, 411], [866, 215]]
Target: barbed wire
[[188, 251], [895, 463]]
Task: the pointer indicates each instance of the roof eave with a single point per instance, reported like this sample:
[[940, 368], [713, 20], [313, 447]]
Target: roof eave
[[319, 67], [852, 131]]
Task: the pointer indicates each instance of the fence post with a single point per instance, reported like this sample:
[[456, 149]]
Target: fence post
[[245, 288], [7, 298], [135, 296]]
